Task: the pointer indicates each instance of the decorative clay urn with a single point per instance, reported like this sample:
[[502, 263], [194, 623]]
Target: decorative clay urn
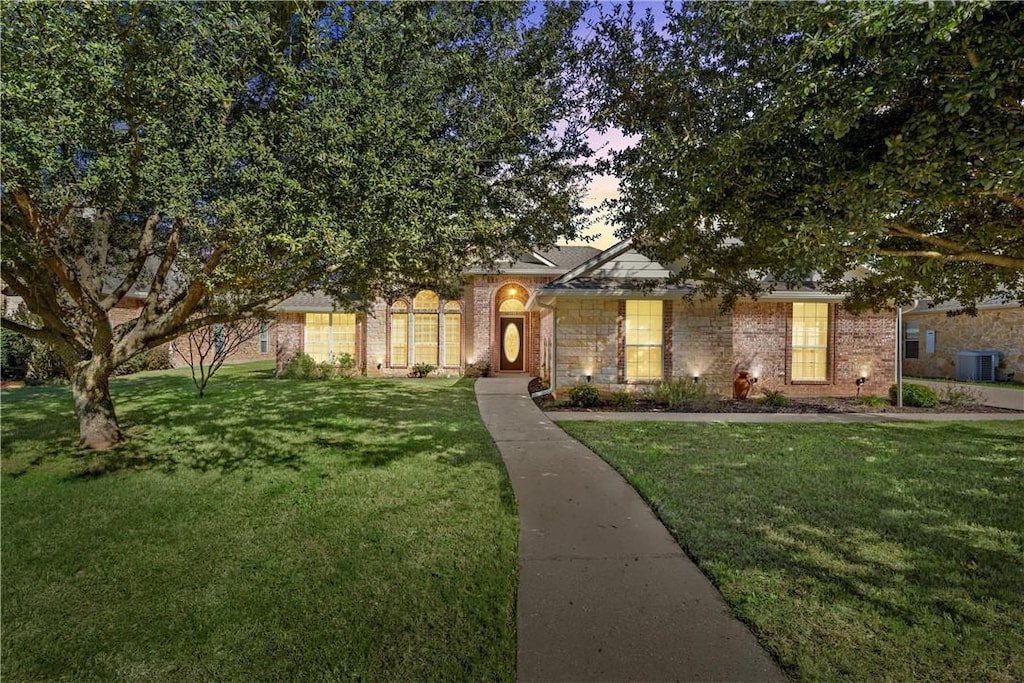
[[741, 385]]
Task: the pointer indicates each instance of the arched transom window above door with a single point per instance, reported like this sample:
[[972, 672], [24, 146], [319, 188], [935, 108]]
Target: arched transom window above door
[[426, 329], [511, 306]]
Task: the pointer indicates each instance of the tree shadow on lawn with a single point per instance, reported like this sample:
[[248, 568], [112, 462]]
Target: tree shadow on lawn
[[932, 542], [262, 422]]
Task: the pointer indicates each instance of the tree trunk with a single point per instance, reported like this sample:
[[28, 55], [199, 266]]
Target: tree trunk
[[97, 423]]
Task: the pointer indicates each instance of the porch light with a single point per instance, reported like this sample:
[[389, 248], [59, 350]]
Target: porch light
[[512, 291]]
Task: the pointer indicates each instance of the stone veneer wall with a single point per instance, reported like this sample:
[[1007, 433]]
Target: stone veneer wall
[[703, 344], [1000, 329], [588, 332], [377, 326]]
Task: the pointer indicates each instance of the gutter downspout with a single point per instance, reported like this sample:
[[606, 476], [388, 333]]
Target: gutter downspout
[[899, 353], [554, 350]]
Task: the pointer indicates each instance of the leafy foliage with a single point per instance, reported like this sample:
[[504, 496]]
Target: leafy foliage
[[960, 397], [915, 395], [217, 158], [779, 140], [872, 401], [300, 366], [157, 358], [15, 351], [681, 393], [622, 399], [584, 396], [479, 369], [774, 398], [422, 370]]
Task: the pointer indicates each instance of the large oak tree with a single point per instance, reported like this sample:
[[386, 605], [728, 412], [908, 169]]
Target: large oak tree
[[778, 140], [214, 158]]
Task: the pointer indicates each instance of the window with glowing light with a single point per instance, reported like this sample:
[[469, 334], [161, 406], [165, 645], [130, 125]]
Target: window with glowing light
[[644, 343]]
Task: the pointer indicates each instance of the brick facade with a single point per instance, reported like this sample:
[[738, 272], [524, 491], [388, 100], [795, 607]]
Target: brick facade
[[130, 308], [699, 340], [996, 329], [482, 296], [289, 336]]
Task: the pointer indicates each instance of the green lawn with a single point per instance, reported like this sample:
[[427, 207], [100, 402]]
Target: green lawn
[[890, 551], [274, 530], [957, 383]]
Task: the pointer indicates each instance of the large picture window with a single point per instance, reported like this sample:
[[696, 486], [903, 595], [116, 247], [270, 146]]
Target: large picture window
[[330, 335], [644, 343], [416, 331], [810, 342]]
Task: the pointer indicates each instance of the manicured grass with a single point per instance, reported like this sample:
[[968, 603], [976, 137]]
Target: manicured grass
[[273, 531], [890, 551], [954, 382]]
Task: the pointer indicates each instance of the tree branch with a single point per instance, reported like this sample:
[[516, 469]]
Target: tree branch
[[966, 256], [160, 277], [958, 251], [145, 243], [40, 333], [88, 301], [1008, 198]]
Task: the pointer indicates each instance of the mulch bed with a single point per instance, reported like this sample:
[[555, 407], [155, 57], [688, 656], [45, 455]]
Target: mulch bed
[[752, 405]]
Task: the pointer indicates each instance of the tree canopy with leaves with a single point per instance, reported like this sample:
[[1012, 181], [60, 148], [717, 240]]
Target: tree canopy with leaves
[[214, 158], [780, 140]]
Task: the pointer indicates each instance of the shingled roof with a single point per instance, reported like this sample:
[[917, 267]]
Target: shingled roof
[[554, 261]]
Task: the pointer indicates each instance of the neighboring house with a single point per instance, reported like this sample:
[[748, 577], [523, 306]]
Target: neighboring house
[[576, 315], [935, 334]]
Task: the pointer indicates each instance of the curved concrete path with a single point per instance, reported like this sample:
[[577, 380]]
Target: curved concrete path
[[605, 593]]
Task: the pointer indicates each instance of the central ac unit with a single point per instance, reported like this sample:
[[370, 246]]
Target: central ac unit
[[977, 366]]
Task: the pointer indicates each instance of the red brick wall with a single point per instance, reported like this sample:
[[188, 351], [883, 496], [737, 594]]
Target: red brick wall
[[859, 345], [482, 323], [760, 341], [865, 346], [288, 335]]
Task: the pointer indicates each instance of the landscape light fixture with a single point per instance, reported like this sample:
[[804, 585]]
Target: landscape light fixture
[[379, 366], [696, 379], [588, 379], [860, 382], [753, 380]]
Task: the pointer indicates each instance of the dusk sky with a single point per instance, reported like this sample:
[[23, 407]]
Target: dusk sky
[[605, 186]]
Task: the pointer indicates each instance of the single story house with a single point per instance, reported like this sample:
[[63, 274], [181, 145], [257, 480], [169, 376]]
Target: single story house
[[576, 314], [934, 335]]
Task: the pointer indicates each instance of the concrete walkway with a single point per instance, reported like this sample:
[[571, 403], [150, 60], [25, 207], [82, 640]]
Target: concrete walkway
[[575, 416], [605, 593]]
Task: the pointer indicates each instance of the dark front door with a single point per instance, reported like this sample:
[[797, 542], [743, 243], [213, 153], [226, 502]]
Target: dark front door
[[512, 345]]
